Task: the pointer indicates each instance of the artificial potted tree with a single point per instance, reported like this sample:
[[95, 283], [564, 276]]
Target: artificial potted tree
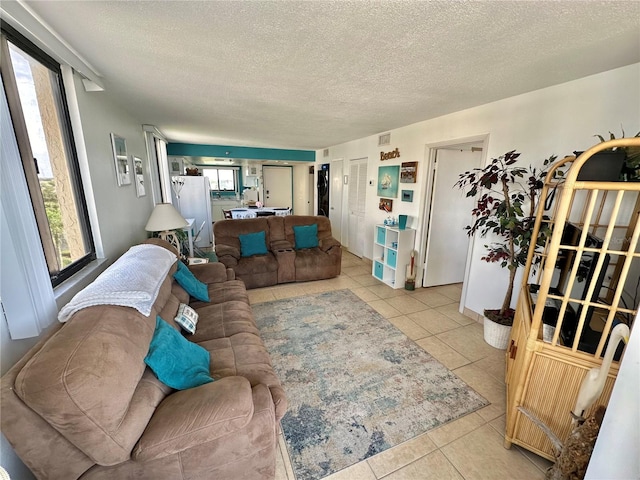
[[507, 196]]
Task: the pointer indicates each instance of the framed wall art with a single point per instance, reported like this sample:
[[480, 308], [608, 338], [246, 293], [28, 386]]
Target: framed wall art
[[139, 175], [408, 172], [406, 195], [176, 166], [388, 181], [121, 160], [386, 204]]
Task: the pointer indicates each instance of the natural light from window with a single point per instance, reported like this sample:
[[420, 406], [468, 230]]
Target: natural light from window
[[38, 98], [221, 179]]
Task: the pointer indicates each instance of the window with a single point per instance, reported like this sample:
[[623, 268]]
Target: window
[[221, 179], [35, 93]]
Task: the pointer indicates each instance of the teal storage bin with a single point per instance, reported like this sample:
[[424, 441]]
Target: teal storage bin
[[378, 270], [392, 257], [381, 235]]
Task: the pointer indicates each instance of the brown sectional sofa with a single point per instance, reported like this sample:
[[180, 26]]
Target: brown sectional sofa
[[83, 404], [282, 263]]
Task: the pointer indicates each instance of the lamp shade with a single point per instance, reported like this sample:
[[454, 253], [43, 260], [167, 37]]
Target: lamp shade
[[165, 217]]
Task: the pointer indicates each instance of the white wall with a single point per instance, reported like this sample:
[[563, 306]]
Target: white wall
[[555, 120], [121, 215]]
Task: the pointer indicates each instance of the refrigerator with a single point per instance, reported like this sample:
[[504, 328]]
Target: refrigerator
[[191, 196]]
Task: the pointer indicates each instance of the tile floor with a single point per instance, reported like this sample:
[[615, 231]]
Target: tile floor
[[469, 448]]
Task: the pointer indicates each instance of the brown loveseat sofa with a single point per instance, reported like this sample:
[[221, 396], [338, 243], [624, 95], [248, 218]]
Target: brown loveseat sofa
[[83, 404], [282, 263]]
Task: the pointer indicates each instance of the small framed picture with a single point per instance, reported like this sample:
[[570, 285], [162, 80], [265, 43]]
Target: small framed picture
[[139, 176], [121, 160], [386, 204], [407, 195], [176, 166], [408, 172]]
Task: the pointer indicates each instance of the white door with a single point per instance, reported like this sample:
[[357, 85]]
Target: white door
[[335, 199], [357, 188], [311, 191], [447, 240], [277, 184]]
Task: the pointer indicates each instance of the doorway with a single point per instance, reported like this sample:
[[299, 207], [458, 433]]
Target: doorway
[[447, 213], [277, 183], [323, 189], [311, 200]]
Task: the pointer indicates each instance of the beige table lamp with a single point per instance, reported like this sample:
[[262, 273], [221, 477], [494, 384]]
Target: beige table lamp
[[166, 219]]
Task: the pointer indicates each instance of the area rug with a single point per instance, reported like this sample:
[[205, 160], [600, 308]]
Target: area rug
[[356, 385]]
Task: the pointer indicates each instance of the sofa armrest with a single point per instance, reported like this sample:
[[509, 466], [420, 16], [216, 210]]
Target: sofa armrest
[[328, 243], [227, 254], [208, 273], [195, 416], [231, 274]]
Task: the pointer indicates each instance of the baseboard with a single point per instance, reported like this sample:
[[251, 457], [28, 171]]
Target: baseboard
[[473, 315]]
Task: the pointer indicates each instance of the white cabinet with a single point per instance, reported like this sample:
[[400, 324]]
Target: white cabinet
[[217, 205], [391, 254]]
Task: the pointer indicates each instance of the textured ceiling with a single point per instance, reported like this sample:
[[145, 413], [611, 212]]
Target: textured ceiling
[[307, 75]]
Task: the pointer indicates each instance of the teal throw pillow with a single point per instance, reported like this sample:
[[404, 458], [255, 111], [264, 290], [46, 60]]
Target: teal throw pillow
[[252, 244], [190, 283], [177, 362], [306, 236]]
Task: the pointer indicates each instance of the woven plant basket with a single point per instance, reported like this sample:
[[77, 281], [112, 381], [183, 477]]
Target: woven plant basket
[[495, 334]]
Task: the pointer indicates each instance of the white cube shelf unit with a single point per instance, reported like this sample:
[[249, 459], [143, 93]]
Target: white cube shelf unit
[[391, 254]]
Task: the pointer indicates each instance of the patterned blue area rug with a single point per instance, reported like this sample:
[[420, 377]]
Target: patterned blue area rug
[[356, 384]]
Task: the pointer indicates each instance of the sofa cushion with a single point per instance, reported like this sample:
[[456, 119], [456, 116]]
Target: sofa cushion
[[85, 381], [323, 223], [224, 320], [226, 232], [179, 293], [306, 236], [177, 362], [185, 419], [224, 292], [190, 283], [314, 264], [256, 265], [170, 309], [252, 244], [242, 354]]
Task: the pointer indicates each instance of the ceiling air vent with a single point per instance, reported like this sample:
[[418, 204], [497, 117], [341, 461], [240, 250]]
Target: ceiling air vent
[[325, 152], [384, 139]]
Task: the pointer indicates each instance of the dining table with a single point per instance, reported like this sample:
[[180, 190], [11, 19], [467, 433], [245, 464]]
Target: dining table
[[238, 213]]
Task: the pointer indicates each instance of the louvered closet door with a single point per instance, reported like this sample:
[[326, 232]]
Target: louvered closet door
[[357, 202]]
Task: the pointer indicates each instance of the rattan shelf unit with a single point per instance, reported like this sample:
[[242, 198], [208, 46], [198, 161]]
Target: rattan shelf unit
[[586, 277]]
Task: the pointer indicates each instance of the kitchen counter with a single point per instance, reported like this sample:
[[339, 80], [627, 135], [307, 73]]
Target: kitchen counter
[[224, 203]]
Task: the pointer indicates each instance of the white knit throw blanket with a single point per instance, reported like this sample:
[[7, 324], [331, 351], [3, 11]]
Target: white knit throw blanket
[[132, 281]]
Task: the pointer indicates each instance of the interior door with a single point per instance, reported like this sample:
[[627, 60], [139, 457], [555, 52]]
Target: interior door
[[357, 188], [335, 199], [447, 241], [278, 186], [310, 191]]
